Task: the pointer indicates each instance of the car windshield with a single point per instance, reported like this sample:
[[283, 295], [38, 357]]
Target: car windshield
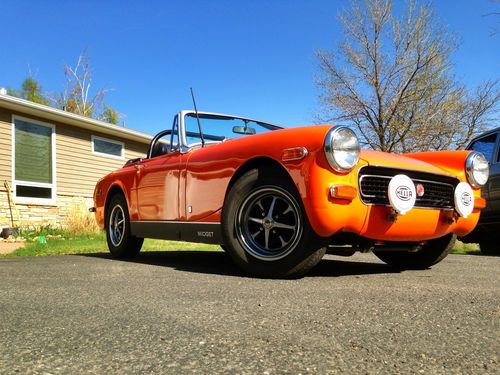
[[218, 128]]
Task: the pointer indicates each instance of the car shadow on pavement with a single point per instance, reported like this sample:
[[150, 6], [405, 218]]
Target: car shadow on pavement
[[344, 266], [219, 263], [208, 262]]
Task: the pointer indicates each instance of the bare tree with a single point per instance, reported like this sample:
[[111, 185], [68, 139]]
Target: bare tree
[[78, 96], [479, 111], [391, 79]]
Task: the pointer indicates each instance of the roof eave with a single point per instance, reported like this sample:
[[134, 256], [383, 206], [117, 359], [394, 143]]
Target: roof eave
[[53, 114]]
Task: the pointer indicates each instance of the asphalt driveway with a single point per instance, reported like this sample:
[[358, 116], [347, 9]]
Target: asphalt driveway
[[192, 312]]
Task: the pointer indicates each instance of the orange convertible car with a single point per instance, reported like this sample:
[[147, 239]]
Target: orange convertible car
[[276, 199]]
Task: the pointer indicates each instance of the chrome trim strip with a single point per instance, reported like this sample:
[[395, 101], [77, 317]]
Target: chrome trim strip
[[409, 169]]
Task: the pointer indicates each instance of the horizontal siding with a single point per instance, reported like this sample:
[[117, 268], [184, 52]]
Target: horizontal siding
[[131, 154], [5, 164], [97, 163], [68, 146], [71, 148], [5, 147], [78, 169], [6, 139]]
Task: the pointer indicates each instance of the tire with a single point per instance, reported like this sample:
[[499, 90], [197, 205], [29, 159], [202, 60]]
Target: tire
[[434, 251], [121, 243], [254, 238], [489, 246]]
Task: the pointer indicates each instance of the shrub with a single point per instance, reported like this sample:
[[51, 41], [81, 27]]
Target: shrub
[[80, 220]]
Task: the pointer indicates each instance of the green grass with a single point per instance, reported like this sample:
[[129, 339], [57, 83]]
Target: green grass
[[466, 248], [94, 243], [69, 243]]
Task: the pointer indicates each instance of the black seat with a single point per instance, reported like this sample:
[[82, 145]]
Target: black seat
[[160, 148]]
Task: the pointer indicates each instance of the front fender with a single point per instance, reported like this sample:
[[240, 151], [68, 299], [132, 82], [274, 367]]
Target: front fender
[[452, 162], [103, 192]]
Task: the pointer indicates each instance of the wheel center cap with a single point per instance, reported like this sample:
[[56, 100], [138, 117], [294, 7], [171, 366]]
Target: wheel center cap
[[267, 223]]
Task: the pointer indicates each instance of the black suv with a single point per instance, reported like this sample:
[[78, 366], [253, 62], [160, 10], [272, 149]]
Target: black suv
[[487, 232]]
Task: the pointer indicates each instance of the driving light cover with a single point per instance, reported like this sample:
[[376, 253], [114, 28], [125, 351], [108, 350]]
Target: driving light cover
[[341, 148], [477, 169], [402, 193], [464, 199]]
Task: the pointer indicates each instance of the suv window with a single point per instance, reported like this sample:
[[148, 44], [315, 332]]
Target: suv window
[[486, 146]]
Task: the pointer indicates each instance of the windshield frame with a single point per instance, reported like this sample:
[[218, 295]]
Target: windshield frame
[[184, 147]]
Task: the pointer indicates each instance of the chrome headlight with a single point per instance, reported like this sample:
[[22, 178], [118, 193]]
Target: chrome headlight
[[477, 169], [341, 148]]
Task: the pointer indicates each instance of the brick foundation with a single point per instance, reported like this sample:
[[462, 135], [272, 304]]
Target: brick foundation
[[40, 215]]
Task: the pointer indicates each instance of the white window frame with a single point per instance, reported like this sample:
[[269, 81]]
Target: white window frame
[[53, 185], [122, 144]]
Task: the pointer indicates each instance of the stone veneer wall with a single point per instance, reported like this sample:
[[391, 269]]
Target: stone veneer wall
[[40, 215]]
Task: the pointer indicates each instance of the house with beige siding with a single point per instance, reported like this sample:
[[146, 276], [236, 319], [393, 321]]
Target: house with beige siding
[[50, 160]]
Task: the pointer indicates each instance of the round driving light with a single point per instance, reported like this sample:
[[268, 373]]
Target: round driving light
[[477, 169], [464, 199], [341, 148], [402, 194]]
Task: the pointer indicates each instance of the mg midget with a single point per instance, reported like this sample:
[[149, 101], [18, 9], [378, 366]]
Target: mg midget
[[277, 199]]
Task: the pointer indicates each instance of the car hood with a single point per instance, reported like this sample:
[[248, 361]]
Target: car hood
[[384, 159]]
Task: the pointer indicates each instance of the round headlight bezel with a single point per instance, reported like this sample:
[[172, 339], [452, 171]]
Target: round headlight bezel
[[333, 150], [470, 169]]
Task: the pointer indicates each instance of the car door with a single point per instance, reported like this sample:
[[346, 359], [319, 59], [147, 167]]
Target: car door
[[488, 146], [205, 173], [158, 188], [157, 178]]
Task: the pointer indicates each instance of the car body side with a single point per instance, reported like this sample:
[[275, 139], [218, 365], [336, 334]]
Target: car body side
[[192, 186]]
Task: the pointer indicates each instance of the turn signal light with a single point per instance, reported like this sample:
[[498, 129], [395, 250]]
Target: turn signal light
[[343, 192], [295, 153], [479, 202]]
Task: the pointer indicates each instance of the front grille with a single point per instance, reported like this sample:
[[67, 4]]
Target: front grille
[[438, 189]]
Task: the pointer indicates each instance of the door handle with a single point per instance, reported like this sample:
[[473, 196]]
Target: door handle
[[138, 167]]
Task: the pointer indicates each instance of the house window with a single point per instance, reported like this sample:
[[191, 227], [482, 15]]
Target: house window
[[33, 160], [107, 147]]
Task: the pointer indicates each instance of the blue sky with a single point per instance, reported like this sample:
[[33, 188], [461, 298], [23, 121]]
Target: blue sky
[[251, 58]]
